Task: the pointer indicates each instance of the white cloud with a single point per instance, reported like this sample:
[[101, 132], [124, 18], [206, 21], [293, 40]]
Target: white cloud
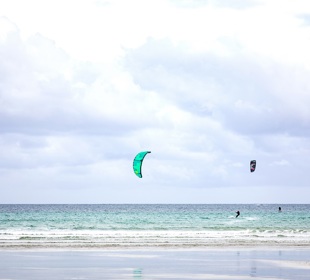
[[281, 162]]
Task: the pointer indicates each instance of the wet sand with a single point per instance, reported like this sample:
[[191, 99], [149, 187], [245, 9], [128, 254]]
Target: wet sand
[[207, 263]]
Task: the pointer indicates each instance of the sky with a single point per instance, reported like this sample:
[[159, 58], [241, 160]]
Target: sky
[[205, 85]]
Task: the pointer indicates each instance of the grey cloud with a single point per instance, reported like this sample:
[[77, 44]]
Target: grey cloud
[[245, 93], [37, 98]]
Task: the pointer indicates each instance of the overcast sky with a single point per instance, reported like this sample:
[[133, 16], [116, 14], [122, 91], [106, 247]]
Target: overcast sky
[[205, 85]]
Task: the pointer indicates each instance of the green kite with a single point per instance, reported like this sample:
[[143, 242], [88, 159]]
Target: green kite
[[137, 163]]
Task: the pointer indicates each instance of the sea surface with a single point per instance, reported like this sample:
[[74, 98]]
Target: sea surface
[[153, 225]]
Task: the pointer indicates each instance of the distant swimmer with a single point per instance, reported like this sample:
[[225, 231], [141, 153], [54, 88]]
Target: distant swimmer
[[280, 209], [238, 214]]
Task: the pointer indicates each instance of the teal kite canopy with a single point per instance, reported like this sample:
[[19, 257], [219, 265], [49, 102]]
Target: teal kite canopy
[[137, 163]]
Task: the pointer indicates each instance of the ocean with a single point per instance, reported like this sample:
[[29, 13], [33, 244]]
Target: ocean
[[153, 225]]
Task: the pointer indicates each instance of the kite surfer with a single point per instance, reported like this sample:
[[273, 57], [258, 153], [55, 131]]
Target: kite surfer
[[238, 214]]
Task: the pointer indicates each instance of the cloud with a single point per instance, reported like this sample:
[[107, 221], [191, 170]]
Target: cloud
[[246, 94], [205, 86], [43, 90], [242, 104]]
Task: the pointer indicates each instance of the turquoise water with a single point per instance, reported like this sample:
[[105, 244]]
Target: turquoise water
[[153, 225]]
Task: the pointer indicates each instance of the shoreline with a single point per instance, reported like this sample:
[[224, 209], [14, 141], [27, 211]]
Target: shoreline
[[143, 246], [157, 248]]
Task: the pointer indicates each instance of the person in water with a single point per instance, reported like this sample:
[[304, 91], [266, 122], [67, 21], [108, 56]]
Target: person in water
[[280, 209], [238, 213]]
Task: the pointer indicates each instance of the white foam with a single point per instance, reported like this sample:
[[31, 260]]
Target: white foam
[[155, 238]]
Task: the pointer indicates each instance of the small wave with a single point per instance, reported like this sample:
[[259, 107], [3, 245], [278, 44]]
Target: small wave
[[31, 238], [252, 218]]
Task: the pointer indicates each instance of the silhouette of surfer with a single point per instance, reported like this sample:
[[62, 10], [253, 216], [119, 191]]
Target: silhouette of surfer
[[238, 214], [280, 209]]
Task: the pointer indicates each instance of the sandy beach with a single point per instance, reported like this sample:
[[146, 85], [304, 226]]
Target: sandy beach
[[148, 263]]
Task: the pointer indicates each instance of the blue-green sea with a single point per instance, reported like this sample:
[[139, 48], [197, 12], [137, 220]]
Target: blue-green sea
[[153, 225]]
